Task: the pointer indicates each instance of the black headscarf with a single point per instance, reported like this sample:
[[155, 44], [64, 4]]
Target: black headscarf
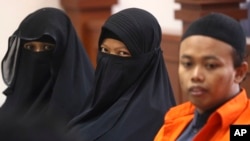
[[130, 94], [55, 83]]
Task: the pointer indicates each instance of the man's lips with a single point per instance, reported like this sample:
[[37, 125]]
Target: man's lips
[[197, 90]]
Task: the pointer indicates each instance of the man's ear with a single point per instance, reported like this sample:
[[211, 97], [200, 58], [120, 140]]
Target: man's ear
[[241, 72]]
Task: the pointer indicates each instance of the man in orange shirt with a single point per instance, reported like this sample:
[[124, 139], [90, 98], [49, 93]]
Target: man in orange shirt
[[211, 68]]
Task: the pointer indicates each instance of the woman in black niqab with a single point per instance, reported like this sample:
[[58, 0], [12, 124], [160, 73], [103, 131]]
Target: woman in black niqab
[[131, 94], [53, 83]]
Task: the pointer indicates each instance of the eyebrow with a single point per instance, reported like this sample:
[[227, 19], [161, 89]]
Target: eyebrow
[[211, 57], [186, 56], [204, 58]]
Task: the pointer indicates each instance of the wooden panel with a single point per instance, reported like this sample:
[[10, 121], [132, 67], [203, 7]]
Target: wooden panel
[[193, 9], [246, 82], [199, 2], [87, 17], [92, 29], [86, 4], [170, 48], [191, 15]]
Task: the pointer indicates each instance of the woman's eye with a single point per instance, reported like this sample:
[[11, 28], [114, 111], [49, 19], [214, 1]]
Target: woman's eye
[[48, 47], [124, 54], [104, 50], [29, 47]]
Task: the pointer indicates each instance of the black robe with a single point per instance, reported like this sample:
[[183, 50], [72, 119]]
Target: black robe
[[131, 94], [46, 83]]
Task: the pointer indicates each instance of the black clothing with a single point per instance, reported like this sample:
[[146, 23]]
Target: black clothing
[[194, 126], [48, 83], [32, 129], [131, 94]]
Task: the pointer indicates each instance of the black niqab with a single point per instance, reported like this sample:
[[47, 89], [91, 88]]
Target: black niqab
[[51, 83], [131, 94]]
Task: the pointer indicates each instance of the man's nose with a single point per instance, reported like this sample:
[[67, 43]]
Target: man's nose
[[198, 74]]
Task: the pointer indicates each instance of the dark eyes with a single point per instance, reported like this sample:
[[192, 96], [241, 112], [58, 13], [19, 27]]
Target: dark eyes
[[104, 50], [49, 47], [39, 48], [211, 66], [118, 52], [124, 53], [186, 64], [208, 66]]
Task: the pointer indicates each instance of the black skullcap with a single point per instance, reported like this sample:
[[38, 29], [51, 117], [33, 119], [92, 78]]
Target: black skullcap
[[221, 27]]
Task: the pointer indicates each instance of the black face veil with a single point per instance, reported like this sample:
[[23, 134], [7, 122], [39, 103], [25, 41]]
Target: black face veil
[[130, 94], [56, 82]]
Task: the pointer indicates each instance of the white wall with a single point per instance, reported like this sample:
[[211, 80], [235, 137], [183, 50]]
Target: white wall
[[12, 13]]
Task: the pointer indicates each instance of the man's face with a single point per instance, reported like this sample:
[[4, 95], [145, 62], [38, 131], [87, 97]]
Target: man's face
[[206, 72]]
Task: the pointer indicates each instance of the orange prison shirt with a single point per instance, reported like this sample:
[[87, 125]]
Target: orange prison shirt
[[234, 111]]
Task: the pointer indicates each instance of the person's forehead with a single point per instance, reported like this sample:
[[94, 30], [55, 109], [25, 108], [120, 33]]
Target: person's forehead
[[203, 42], [204, 46]]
